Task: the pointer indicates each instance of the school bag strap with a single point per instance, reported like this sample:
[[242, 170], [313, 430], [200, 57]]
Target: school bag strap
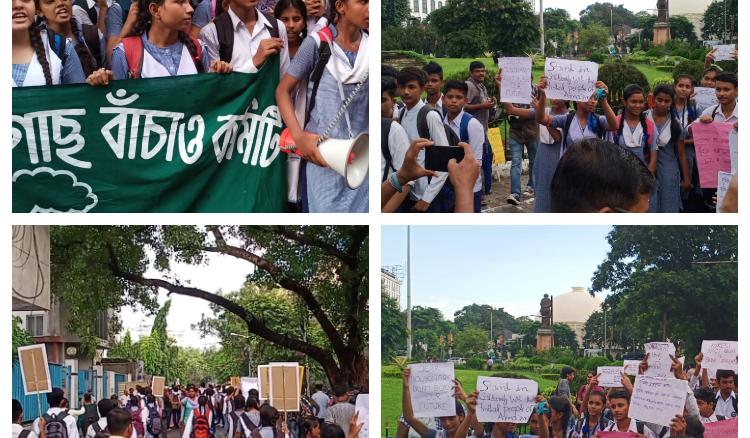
[[249, 423], [225, 34], [566, 129], [273, 29], [91, 39], [385, 130], [133, 46], [463, 127], [24, 433], [713, 113], [57, 43], [325, 38]]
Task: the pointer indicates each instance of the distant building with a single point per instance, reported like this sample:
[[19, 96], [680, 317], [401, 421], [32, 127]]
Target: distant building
[[574, 308], [390, 286], [420, 9]]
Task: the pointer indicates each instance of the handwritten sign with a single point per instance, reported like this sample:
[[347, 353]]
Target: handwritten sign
[[657, 400], [506, 400], [431, 387], [724, 52], [719, 355], [630, 367], [516, 74], [721, 429], [733, 149], [712, 151], [610, 377], [659, 363], [614, 434], [723, 180], [362, 408], [705, 97], [570, 80]]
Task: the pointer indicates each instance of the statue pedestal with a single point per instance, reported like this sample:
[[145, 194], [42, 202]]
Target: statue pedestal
[[661, 33], [544, 339]]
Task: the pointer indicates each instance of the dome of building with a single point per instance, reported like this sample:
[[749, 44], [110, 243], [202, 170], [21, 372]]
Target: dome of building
[[574, 306]]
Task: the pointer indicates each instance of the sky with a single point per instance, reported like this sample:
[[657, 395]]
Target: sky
[[676, 7], [503, 266], [220, 272]]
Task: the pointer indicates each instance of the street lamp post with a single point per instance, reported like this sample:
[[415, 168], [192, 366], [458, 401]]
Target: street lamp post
[[541, 24], [249, 353], [408, 292]]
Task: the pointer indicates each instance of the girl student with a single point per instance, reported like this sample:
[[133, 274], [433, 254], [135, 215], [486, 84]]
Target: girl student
[[293, 13], [583, 122], [159, 45], [250, 419], [310, 428], [634, 131], [558, 424], [686, 111], [342, 78], [246, 48], [672, 166], [592, 418]]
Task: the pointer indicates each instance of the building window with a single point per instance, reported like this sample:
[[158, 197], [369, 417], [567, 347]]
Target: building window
[[35, 325], [432, 5], [416, 6], [440, 5], [424, 6]]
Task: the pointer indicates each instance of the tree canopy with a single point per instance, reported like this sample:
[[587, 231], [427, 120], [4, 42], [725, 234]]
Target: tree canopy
[[325, 267], [599, 13], [680, 28], [717, 14]]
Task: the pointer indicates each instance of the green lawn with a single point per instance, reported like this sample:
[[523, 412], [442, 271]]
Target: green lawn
[[391, 392]]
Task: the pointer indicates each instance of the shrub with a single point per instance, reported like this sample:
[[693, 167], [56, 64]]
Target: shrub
[[618, 75], [475, 363], [728, 66], [598, 58], [666, 68], [691, 67], [662, 80]]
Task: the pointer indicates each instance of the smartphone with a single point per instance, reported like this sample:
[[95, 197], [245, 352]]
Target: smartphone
[[436, 157]]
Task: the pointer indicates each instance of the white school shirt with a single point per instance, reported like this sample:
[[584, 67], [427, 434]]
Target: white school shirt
[[648, 433], [315, 24], [69, 420], [422, 189], [254, 417], [725, 407], [17, 429], [398, 144], [83, 15], [476, 140], [35, 72], [320, 397], [439, 105], [711, 419], [245, 42], [719, 117], [103, 424]]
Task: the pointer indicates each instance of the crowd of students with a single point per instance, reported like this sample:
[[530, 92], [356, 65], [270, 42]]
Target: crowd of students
[[572, 164], [322, 50], [197, 412], [594, 409]]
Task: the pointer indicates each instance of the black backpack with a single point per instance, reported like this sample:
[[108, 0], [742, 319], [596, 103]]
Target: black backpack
[[24, 433], [90, 33], [385, 130], [225, 33], [154, 420], [55, 426], [424, 130], [640, 427], [90, 416], [600, 129]]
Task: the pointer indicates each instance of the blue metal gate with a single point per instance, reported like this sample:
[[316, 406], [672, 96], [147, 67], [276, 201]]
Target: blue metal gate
[[60, 376]]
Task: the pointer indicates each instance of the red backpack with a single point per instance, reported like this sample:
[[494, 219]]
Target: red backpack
[[134, 55], [135, 416], [200, 424]]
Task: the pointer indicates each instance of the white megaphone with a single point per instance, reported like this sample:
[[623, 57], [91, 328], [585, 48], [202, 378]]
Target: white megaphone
[[348, 157]]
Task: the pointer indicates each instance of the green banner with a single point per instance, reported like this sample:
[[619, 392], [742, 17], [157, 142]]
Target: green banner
[[198, 143]]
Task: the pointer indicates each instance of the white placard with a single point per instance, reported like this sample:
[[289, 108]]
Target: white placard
[[659, 362], [505, 400], [724, 52], [705, 97], [610, 377], [631, 367], [431, 387], [722, 185], [248, 383], [657, 400], [516, 79], [733, 150], [362, 407], [570, 80], [719, 355]]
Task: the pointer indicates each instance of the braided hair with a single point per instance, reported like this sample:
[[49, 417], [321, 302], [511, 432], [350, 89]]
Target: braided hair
[[627, 92], [143, 24], [35, 36], [88, 63]]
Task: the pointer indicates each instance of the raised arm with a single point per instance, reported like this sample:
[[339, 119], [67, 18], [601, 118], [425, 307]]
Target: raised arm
[[541, 103], [471, 416], [415, 424], [608, 111]]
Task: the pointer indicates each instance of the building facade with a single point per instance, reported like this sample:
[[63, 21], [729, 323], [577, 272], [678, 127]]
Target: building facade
[[390, 286]]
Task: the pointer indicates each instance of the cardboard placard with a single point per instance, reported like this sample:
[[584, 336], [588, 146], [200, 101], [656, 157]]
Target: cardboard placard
[[234, 381], [157, 385], [283, 378], [516, 75], [263, 383], [34, 369], [657, 400], [362, 408], [431, 388], [505, 400], [125, 386], [610, 377], [724, 52], [570, 80], [301, 377]]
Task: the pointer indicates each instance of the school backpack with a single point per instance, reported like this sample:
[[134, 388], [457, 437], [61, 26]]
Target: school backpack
[[225, 32], [133, 46], [58, 43], [154, 420], [24, 433], [385, 130], [135, 417], [99, 432], [55, 426], [249, 424], [599, 129], [235, 424], [424, 130], [200, 424]]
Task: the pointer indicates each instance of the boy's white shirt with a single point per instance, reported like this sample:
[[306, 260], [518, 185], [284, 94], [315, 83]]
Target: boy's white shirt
[[17, 429], [103, 423], [246, 44], [69, 420], [719, 117], [423, 190], [398, 144], [476, 140]]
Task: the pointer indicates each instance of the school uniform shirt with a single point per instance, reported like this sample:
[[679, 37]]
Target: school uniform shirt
[[580, 428], [69, 420], [476, 140], [725, 408], [62, 72], [438, 106], [575, 132], [632, 137], [315, 24], [711, 419], [398, 144], [90, 432], [544, 135], [253, 416], [203, 13], [17, 429], [245, 42], [424, 190], [340, 413], [230, 423], [173, 60], [320, 397], [268, 432], [648, 433], [719, 116], [113, 20]]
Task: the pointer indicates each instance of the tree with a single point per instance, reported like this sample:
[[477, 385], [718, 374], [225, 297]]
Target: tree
[[326, 267], [680, 28], [470, 341], [124, 349], [716, 16], [599, 13], [478, 315], [594, 37], [565, 337], [392, 329], [21, 337], [394, 13], [672, 282], [508, 25], [558, 18]]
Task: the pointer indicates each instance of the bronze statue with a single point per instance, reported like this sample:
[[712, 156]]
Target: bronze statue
[[663, 7], [546, 311]]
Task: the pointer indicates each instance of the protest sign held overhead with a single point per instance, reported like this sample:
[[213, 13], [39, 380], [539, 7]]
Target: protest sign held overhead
[[609, 377], [505, 400], [659, 362], [570, 80], [657, 400], [431, 387], [516, 79]]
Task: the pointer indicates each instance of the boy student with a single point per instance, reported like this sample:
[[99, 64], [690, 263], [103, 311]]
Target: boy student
[[57, 418], [482, 107], [467, 128], [726, 399], [120, 424], [341, 412], [567, 375], [433, 84], [245, 37], [706, 398], [18, 430], [393, 144], [619, 401], [427, 194], [105, 406]]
